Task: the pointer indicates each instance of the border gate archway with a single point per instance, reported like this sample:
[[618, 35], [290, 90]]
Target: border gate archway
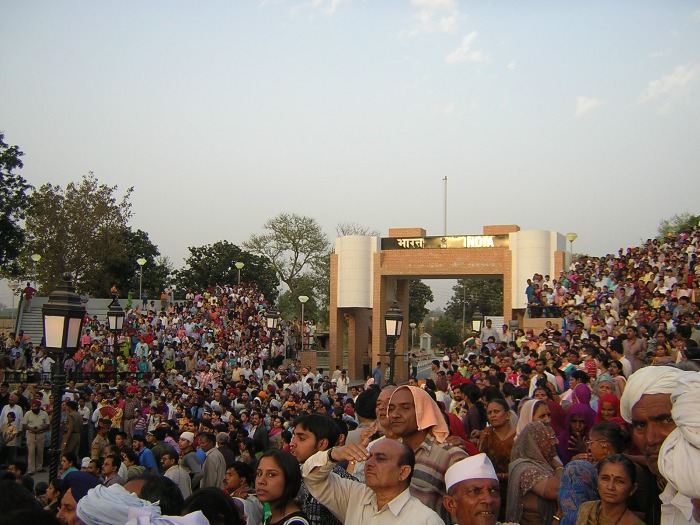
[[369, 273]]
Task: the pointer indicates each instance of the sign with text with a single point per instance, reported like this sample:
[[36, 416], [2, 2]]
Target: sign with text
[[437, 243]]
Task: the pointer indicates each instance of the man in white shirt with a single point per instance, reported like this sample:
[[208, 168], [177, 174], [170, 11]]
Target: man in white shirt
[[385, 497], [175, 472]]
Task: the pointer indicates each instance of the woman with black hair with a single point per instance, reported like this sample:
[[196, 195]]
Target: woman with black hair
[[475, 420], [277, 482], [218, 507]]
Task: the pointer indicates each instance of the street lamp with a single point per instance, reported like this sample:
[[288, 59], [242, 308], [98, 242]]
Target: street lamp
[[115, 324], [13, 285], [36, 258], [393, 321], [413, 331], [63, 320], [140, 262], [571, 237], [477, 320], [272, 316], [302, 300], [239, 265]]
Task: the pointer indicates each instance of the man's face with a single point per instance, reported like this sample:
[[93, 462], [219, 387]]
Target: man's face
[[167, 461], [67, 510], [93, 469], [232, 481], [12, 469], [402, 413], [255, 419], [651, 425], [108, 468], [382, 469], [474, 502], [304, 444], [137, 445]]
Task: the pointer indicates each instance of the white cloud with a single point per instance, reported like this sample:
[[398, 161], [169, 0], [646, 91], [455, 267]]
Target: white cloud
[[434, 16], [672, 87], [450, 109], [696, 15], [511, 66], [465, 53], [659, 54], [327, 7], [585, 105], [434, 5]]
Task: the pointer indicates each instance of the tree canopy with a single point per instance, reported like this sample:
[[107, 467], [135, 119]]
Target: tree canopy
[[679, 223], [419, 294], [486, 294], [293, 245], [82, 229], [14, 201], [214, 264]]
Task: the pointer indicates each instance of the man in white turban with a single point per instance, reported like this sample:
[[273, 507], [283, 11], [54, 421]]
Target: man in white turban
[[679, 459], [646, 405], [473, 494]]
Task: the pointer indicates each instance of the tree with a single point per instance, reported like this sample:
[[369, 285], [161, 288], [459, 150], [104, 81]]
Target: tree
[[14, 201], [419, 294], [679, 223], [293, 246], [79, 229], [344, 229], [445, 331], [486, 294], [214, 264]]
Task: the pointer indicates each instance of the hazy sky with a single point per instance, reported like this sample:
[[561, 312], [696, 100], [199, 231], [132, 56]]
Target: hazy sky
[[567, 116]]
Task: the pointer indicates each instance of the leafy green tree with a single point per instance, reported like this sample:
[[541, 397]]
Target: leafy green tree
[[419, 294], [679, 223], [77, 229], [486, 294], [290, 306], [14, 201], [293, 245], [214, 264], [445, 331]]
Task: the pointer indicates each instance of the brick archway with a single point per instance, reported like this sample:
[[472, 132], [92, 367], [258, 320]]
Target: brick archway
[[369, 273]]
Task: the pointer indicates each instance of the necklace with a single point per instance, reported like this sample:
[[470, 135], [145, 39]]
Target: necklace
[[505, 435], [600, 510]]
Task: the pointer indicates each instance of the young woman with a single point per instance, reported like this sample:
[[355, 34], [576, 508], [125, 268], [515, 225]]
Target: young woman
[[616, 483], [496, 441], [277, 483], [53, 496]]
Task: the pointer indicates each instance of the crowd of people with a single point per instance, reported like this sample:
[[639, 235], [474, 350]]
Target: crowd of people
[[197, 413]]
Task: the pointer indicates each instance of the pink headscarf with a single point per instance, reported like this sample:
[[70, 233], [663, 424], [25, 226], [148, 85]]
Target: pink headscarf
[[428, 415]]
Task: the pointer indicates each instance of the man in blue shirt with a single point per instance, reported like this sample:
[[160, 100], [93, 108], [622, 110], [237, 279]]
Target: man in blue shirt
[[377, 374], [146, 457]]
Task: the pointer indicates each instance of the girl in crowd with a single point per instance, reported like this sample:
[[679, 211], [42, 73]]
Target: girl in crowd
[[608, 408], [572, 441], [277, 482], [616, 483], [617, 376], [533, 476]]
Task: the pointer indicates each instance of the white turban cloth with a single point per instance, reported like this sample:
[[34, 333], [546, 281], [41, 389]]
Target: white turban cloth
[[144, 517], [110, 505], [679, 458], [648, 381]]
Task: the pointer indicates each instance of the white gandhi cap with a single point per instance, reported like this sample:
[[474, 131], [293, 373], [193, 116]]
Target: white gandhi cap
[[473, 467]]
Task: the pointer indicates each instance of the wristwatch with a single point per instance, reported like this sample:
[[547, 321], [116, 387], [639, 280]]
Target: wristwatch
[[330, 455]]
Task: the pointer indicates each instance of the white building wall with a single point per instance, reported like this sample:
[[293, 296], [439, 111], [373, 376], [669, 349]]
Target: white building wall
[[355, 270], [532, 252]]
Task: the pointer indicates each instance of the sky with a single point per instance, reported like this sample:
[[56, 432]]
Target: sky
[[566, 116]]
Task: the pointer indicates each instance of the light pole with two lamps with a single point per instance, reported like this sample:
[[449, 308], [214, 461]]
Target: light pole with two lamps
[[393, 321], [302, 300], [571, 237], [140, 261], [115, 324], [63, 317], [239, 266]]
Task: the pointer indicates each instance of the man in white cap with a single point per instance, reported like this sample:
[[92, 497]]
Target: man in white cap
[[473, 494], [646, 405]]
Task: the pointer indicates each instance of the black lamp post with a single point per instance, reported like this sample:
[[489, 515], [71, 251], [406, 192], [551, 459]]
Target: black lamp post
[[393, 321], [477, 320], [272, 317], [115, 324], [63, 321]]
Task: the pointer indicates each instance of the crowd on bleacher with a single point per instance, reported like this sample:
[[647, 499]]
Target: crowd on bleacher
[[204, 408]]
